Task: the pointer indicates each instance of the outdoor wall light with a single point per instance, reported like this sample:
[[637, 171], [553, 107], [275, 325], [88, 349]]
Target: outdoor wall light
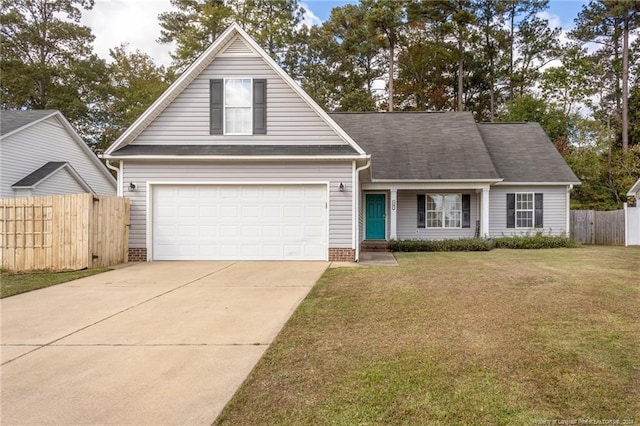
[[341, 187], [132, 186]]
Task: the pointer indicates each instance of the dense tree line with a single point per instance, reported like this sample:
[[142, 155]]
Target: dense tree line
[[499, 59]]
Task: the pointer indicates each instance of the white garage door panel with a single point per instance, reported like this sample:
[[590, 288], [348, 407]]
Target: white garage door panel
[[243, 222]]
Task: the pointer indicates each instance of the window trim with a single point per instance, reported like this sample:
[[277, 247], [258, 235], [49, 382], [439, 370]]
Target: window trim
[[532, 210], [224, 106], [426, 211]]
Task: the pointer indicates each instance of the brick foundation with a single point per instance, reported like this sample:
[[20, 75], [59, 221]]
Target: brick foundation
[[342, 255], [335, 255], [137, 254]]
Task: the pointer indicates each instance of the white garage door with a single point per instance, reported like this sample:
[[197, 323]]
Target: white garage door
[[239, 222]]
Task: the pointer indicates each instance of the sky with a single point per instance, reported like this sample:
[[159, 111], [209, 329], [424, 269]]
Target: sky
[[135, 22]]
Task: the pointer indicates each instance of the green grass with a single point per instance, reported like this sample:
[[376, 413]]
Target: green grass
[[12, 284], [501, 337]]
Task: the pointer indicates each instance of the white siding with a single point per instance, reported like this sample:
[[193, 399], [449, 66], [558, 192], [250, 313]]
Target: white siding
[[61, 182], [407, 221], [29, 149], [340, 204], [554, 210], [289, 119]]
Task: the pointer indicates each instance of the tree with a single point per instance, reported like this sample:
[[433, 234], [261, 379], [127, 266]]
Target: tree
[[197, 23], [135, 82], [193, 27], [556, 124], [609, 23], [385, 19], [449, 18], [492, 21], [47, 60]]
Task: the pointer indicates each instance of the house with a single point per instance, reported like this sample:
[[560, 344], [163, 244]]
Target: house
[[235, 161], [632, 217], [41, 154]]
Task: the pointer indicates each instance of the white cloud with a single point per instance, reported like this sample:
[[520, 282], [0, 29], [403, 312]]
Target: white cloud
[[114, 22], [309, 18]]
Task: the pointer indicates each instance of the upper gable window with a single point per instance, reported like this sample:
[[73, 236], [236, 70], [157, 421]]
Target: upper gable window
[[237, 107]]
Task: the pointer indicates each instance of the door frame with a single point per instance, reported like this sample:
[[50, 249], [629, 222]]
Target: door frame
[[386, 213], [151, 185]]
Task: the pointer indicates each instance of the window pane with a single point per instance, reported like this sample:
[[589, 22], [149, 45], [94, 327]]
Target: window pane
[[452, 220], [524, 219], [434, 219], [237, 93], [434, 202], [238, 120], [453, 202]]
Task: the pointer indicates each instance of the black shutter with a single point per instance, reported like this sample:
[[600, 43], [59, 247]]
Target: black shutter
[[260, 106], [421, 216], [511, 210], [466, 211], [538, 211], [215, 107]]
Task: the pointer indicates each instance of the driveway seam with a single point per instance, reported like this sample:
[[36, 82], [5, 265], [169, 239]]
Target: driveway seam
[[118, 313]]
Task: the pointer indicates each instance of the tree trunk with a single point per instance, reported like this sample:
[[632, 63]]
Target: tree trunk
[[391, 65], [625, 87], [460, 72], [511, 44]]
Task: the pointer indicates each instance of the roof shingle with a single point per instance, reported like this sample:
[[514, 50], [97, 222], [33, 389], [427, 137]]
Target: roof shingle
[[11, 120], [420, 145], [522, 152]]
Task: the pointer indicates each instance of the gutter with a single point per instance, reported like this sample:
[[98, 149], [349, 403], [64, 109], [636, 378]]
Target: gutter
[[117, 170], [356, 222]]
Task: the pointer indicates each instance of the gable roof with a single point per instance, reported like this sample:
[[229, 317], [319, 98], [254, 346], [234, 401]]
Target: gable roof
[[221, 43], [36, 177], [13, 121], [522, 152], [17, 121], [421, 146]]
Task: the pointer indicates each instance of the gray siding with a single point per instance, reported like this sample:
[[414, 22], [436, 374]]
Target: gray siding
[[289, 119], [554, 210], [29, 149], [407, 226], [340, 204], [61, 182]]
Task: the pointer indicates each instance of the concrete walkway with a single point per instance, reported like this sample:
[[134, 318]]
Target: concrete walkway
[[152, 343]]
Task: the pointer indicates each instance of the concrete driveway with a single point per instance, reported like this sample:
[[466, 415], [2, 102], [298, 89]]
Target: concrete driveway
[[151, 343]]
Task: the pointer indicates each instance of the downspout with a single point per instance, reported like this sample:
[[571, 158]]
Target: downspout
[[356, 213], [568, 231], [117, 170]]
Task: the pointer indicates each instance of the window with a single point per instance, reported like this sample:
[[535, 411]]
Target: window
[[443, 210], [237, 107], [524, 210]]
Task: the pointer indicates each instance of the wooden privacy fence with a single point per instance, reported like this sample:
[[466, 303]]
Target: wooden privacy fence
[[63, 232], [594, 227]]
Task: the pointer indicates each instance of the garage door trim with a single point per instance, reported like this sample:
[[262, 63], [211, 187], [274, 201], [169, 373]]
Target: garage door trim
[[151, 184]]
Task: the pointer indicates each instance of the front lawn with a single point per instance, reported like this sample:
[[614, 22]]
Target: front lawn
[[12, 284], [500, 337]]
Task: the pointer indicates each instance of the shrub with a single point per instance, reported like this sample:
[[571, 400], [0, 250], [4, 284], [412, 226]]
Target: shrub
[[537, 241], [463, 244]]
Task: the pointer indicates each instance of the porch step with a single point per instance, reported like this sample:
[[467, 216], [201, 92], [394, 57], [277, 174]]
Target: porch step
[[374, 246]]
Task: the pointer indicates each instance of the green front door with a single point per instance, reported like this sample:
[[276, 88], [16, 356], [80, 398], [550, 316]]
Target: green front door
[[375, 217]]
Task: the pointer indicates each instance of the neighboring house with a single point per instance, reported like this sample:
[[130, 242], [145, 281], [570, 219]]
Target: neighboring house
[[632, 217], [41, 154], [235, 161]]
